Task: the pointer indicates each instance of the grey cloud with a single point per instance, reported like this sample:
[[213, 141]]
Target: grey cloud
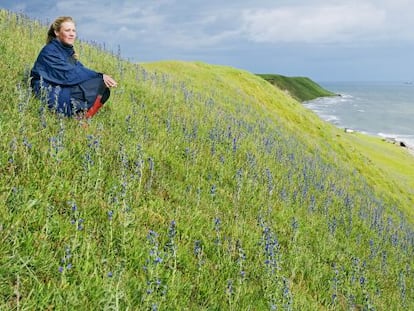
[[309, 23]]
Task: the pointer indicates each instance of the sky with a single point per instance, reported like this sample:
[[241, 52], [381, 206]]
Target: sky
[[325, 40]]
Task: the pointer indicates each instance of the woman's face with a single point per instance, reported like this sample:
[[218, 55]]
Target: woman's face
[[66, 33]]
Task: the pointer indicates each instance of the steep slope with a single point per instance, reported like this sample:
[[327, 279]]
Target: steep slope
[[195, 187], [388, 168]]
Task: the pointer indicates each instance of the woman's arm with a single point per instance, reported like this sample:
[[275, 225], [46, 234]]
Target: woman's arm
[[54, 68]]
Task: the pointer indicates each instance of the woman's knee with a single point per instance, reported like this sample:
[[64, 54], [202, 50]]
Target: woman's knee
[[105, 95]]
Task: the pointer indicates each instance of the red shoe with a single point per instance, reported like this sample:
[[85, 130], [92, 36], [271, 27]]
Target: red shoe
[[95, 107]]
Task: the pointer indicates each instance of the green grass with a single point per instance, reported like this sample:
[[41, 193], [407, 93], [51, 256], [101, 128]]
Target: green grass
[[196, 187], [300, 88]]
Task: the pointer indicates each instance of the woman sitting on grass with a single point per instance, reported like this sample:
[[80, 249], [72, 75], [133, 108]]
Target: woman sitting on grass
[[58, 78]]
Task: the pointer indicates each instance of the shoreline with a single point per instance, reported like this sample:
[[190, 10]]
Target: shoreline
[[388, 139]]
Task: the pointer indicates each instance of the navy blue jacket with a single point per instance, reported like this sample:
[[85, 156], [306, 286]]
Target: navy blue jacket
[[55, 72]]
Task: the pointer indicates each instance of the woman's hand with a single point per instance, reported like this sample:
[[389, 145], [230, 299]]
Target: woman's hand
[[109, 81]]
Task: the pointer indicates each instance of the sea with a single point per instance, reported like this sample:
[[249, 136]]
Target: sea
[[384, 109]]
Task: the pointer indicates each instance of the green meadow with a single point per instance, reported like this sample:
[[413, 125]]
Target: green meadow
[[196, 187]]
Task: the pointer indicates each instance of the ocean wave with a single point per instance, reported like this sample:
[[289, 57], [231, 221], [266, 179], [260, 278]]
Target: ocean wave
[[346, 96], [330, 118], [328, 102], [407, 140]]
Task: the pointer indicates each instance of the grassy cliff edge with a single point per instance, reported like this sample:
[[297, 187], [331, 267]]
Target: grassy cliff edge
[[300, 88]]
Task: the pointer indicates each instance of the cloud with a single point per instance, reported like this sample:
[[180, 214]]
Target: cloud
[[175, 25], [114, 23], [164, 24], [310, 23]]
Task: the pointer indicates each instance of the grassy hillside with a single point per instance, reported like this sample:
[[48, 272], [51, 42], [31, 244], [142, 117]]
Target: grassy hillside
[[300, 88], [196, 187]]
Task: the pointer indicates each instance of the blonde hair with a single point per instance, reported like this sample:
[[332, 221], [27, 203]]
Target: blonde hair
[[55, 26]]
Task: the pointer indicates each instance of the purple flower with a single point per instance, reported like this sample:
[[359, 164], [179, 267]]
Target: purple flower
[[197, 248], [110, 215]]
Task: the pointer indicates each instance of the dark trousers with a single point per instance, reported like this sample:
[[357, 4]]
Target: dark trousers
[[83, 95]]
